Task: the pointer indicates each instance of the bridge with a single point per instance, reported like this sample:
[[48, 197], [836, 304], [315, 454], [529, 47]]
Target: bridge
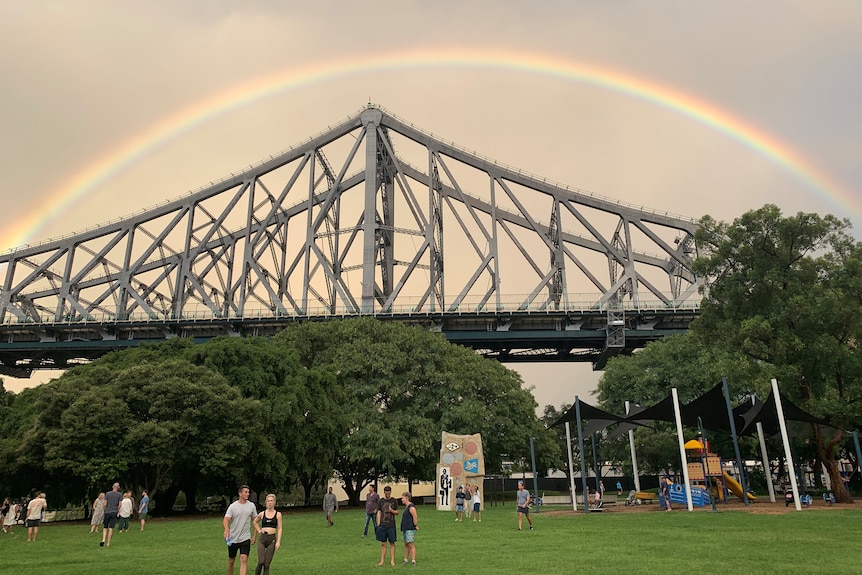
[[371, 217]]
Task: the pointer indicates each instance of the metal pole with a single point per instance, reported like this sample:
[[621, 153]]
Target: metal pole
[[596, 471], [739, 462], [679, 435], [704, 461], [787, 454], [535, 475], [858, 451], [635, 471], [581, 448], [571, 467], [766, 467]]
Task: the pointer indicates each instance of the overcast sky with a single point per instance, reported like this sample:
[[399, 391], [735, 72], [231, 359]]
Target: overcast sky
[[690, 107]]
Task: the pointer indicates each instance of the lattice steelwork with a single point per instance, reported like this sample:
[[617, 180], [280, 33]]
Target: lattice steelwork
[[359, 219]]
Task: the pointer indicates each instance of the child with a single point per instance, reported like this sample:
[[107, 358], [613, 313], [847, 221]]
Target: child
[[459, 504]]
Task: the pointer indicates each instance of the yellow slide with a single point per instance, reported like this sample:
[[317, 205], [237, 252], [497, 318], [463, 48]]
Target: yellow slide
[[735, 487]]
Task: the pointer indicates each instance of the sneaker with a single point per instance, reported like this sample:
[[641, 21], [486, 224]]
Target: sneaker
[[531, 527], [101, 543]]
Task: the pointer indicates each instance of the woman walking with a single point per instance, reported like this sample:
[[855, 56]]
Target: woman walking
[[98, 512], [268, 526]]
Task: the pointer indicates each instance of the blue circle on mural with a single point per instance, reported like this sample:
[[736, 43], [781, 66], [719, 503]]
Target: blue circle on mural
[[448, 458], [459, 456]]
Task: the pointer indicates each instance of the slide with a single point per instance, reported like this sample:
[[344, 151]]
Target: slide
[[735, 487]]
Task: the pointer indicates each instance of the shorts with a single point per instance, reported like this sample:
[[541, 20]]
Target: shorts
[[476, 507], [110, 521], [243, 547], [409, 536], [32, 522], [459, 508], [143, 516], [525, 510], [384, 534]]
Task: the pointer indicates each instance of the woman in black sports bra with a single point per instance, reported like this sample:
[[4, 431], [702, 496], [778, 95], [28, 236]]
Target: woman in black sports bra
[[268, 526]]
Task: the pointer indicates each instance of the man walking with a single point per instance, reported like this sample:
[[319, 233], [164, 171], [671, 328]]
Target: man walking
[[237, 530], [371, 510], [113, 498], [523, 505], [34, 515], [330, 505]]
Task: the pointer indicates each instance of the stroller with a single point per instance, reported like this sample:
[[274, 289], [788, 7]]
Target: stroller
[[631, 499]]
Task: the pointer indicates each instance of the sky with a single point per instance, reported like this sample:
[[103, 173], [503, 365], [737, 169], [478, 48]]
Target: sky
[[108, 107]]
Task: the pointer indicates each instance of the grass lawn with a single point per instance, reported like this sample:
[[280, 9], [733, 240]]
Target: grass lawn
[[643, 542]]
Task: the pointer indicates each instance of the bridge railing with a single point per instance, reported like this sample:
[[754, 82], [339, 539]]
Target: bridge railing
[[513, 305]]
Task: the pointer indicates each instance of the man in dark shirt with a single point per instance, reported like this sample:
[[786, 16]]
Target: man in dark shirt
[[371, 509], [112, 508], [387, 509]]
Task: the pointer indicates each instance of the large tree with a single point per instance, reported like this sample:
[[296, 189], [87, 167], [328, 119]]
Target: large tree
[[163, 425], [403, 387], [787, 291]]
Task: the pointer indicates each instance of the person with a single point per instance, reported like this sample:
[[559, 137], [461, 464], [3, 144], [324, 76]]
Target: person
[[387, 509], [4, 509], [98, 512], [409, 526], [459, 504], [125, 512], [34, 515], [267, 523], [237, 530], [665, 492], [112, 509], [330, 504], [477, 504], [619, 488], [524, 500], [11, 517], [371, 510], [469, 498], [144, 508]]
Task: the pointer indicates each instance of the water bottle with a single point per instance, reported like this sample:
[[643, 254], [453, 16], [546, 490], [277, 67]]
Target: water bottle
[[228, 541]]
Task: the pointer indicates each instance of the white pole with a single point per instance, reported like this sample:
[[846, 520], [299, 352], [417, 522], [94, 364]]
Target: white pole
[[682, 448], [571, 467], [766, 468], [787, 455], [634, 456]]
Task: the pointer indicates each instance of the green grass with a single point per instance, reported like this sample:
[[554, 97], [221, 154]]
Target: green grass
[[647, 542]]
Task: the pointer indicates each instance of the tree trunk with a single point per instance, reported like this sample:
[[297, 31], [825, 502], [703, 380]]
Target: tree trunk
[[826, 447]]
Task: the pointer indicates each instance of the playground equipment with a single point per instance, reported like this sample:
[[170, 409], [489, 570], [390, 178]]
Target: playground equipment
[[705, 468]]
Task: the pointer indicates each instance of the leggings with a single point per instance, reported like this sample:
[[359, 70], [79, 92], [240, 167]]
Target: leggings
[[265, 551]]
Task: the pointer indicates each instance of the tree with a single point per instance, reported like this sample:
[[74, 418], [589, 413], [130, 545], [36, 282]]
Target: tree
[[787, 291], [402, 387], [157, 425], [301, 408]]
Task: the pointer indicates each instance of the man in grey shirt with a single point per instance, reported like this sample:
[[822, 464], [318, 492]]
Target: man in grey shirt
[[237, 530], [112, 508], [330, 504], [523, 505]]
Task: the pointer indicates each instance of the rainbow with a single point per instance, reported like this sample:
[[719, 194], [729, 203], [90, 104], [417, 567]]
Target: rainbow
[[184, 120]]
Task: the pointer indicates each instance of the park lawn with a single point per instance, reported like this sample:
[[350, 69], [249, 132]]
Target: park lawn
[[646, 542]]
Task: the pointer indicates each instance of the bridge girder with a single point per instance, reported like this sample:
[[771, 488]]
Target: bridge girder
[[347, 224]]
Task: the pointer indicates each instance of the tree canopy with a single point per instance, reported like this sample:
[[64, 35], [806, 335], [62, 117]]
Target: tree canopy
[[782, 299], [363, 398]]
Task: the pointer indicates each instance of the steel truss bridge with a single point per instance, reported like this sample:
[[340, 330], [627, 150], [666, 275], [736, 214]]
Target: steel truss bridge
[[371, 217]]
